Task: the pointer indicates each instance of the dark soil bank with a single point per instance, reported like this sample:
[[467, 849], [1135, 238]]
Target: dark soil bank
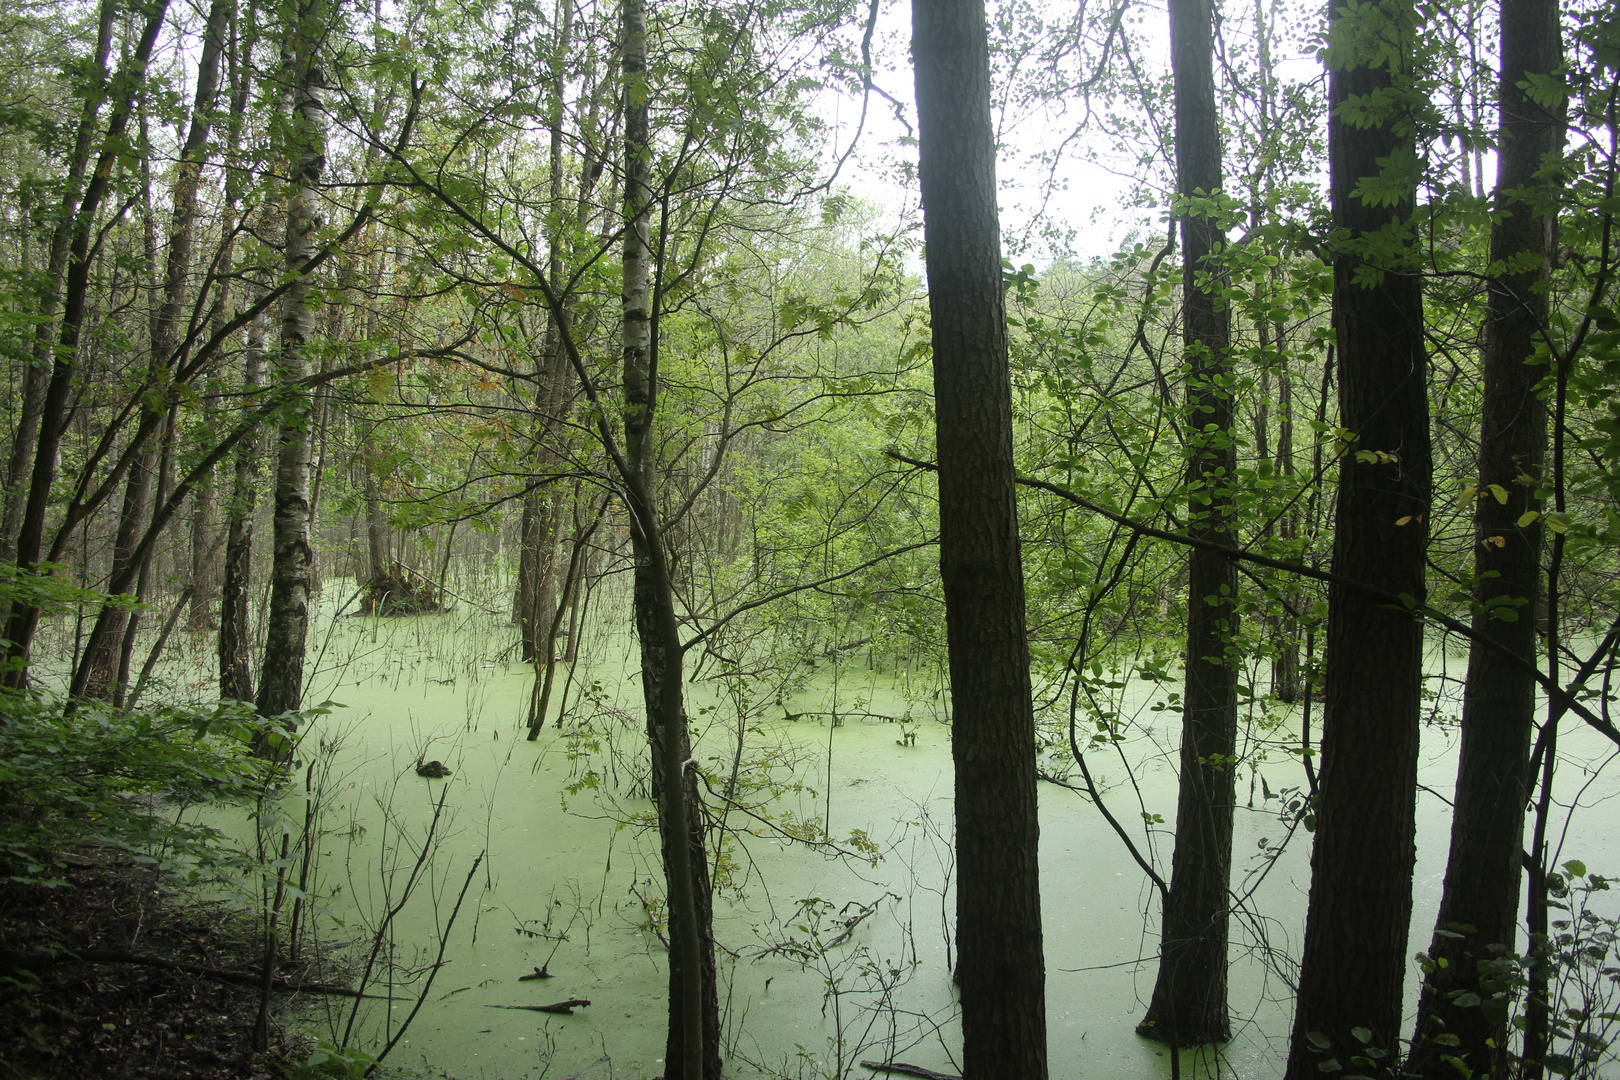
[[78, 1021]]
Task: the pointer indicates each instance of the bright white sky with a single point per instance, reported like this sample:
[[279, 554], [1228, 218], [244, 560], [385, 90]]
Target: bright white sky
[[1091, 199]]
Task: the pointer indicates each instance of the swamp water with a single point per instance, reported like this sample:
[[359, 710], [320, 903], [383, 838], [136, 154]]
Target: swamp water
[[568, 869]]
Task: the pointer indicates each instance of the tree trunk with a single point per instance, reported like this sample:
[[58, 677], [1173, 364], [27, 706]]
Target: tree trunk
[[207, 568], [235, 632], [110, 654], [100, 662], [37, 375], [54, 410], [162, 484], [692, 1050], [1189, 1007], [1286, 682], [1001, 968], [1477, 928], [1360, 906], [281, 678]]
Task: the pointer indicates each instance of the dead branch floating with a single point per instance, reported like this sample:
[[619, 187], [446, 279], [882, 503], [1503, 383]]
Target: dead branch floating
[[908, 1070], [564, 1008], [539, 973], [39, 961], [807, 952]]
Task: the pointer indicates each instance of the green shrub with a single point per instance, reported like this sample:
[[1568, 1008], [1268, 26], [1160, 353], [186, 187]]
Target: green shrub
[[108, 778]]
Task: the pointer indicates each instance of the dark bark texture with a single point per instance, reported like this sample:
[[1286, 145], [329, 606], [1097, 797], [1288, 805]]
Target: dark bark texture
[[1479, 905], [1189, 1006], [1001, 968], [1361, 866]]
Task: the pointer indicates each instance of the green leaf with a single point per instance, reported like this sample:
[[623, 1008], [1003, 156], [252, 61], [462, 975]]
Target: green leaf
[[1459, 1064]]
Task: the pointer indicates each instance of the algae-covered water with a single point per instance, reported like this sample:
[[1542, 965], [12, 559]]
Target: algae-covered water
[[830, 956]]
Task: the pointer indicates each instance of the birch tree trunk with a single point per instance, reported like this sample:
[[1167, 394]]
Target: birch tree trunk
[[281, 677], [692, 1051], [37, 376]]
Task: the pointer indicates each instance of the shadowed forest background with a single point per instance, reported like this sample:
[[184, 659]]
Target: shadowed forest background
[[593, 510]]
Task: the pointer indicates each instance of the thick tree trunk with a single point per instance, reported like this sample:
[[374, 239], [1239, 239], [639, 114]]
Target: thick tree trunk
[[378, 563], [1360, 907], [533, 570], [1477, 928], [281, 678], [31, 532], [1189, 1007], [544, 507], [1001, 968]]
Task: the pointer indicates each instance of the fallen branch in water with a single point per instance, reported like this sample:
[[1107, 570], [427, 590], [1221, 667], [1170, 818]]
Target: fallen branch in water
[[908, 1070], [564, 1008]]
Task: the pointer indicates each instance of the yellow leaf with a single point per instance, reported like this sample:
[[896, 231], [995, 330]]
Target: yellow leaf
[[1468, 493], [1528, 518], [380, 384], [1404, 520], [1500, 492], [1494, 541]]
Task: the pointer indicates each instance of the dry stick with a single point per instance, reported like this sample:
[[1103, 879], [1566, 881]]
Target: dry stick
[[39, 961], [383, 927], [1097, 799], [438, 962], [540, 699], [261, 1024]]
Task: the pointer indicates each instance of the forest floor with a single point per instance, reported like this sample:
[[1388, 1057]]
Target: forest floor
[[75, 1021]]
